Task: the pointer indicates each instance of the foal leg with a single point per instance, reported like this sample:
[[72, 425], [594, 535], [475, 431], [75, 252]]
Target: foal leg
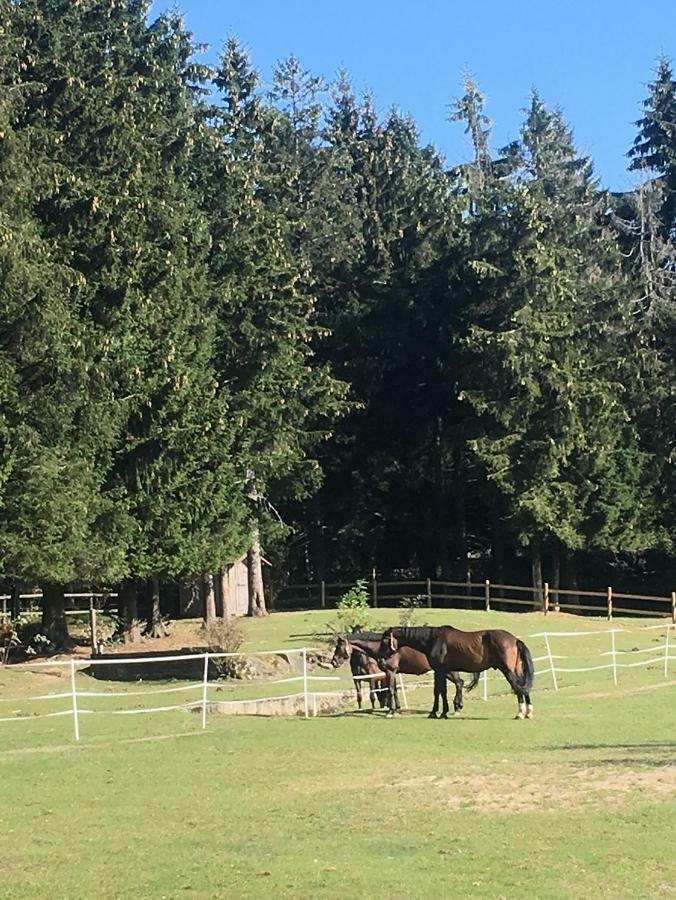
[[357, 687], [392, 693]]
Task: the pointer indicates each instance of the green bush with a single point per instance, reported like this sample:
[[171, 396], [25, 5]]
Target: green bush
[[353, 609], [409, 607]]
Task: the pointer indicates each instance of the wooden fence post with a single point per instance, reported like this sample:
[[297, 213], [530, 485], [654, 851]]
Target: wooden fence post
[[673, 606], [322, 593], [487, 594], [546, 603], [429, 593], [374, 588], [610, 604]]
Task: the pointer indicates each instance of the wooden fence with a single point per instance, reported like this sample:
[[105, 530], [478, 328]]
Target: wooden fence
[[480, 595]]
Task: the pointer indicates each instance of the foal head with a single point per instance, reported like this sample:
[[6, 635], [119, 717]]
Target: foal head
[[341, 652], [388, 644]]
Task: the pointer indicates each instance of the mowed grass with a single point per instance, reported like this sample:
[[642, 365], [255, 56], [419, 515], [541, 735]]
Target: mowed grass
[[579, 802]]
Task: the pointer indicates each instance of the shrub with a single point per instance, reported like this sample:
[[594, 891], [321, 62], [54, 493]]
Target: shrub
[[409, 608], [353, 609], [226, 636]]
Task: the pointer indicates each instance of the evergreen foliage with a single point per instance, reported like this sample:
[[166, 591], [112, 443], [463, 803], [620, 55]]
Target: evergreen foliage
[[230, 310]]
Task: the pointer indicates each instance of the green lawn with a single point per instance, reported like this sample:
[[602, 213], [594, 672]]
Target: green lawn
[[579, 802]]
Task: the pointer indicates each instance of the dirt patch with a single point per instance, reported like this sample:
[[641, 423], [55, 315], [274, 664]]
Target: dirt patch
[[552, 790]]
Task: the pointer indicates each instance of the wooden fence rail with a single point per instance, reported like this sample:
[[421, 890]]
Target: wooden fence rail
[[549, 599]]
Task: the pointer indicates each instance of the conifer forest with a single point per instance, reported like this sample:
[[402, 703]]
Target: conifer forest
[[248, 316]]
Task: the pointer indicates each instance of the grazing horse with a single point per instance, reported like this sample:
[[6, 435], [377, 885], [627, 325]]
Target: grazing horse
[[364, 645], [448, 649]]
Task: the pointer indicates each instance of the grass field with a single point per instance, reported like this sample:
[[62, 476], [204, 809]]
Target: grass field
[[579, 802]]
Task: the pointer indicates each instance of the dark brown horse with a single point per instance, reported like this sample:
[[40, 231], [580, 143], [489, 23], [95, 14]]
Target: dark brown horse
[[449, 649], [361, 649]]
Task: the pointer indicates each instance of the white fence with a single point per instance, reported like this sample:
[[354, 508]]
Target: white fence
[[660, 654]]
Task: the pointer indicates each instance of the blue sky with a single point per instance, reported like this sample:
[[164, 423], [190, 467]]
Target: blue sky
[[592, 59]]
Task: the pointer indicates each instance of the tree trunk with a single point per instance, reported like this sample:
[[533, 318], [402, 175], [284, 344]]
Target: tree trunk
[[209, 598], [255, 576], [497, 550], [556, 577], [317, 539], [536, 560], [464, 572], [15, 601], [156, 626], [54, 622], [224, 582], [128, 602], [440, 524], [571, 577]]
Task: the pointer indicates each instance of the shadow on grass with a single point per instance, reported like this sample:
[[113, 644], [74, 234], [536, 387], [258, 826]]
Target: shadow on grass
[[646, 753]]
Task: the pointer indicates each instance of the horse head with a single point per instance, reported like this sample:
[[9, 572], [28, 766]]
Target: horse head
[[388, 644], [341, 652]]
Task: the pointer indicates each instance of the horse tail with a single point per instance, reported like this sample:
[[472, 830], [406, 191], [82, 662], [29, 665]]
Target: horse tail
[[527, 674], [476, 678]]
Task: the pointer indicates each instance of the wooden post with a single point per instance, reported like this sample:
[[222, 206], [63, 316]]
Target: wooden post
[[487, 594], [610, 604], [92, 626], [374, 588], [546, 605], [673, 606], [429, 593], [322, 593]]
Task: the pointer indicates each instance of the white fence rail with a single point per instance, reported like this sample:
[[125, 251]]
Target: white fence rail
[[661, 654]]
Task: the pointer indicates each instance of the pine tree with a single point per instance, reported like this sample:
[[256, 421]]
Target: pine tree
[[555, 353], [281, 401], [124, 212]]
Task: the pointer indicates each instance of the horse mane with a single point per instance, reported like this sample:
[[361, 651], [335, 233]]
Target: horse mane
[[364, 635], [421, 633]]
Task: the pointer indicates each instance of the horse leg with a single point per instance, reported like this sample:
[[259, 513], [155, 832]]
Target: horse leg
[[357, 687], [459, 684], [514, 684], [529, 706], [391, 693], [373, 695], [443, 690], [435, 708]]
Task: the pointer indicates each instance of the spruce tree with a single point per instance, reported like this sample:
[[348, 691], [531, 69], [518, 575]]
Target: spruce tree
[[555, 357]]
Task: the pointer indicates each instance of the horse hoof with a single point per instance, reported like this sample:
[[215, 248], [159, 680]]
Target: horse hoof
[[443, 716], [529, 712], [519, 715], [432, 715]]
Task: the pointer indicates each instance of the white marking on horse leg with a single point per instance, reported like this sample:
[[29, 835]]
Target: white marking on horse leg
[[522, 711], [529, 711]]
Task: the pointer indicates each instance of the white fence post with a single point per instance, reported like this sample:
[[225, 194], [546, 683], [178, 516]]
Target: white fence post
[[305, 696], [612, 643], [76, 718], [666, 652], [403, 691], [205, 686], [551, 663], [485, 685]]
